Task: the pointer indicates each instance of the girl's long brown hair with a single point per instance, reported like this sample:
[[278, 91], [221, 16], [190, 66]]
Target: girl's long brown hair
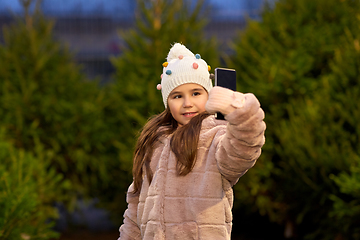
[[183, 143]]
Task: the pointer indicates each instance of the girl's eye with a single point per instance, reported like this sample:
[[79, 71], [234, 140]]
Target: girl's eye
[[196, 93], [177, 96]]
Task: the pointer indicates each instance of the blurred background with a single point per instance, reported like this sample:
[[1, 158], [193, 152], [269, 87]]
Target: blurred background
[[90, 27], [78, 81]]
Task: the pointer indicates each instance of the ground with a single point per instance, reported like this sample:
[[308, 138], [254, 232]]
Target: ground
[[87, 235]]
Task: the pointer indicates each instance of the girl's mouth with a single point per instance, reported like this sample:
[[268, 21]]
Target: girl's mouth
[[189, 114]]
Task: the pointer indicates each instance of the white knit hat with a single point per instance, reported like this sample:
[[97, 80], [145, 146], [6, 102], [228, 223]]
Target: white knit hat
[[182, 67]]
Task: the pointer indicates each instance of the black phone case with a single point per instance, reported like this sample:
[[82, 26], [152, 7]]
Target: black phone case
[[225, 78]]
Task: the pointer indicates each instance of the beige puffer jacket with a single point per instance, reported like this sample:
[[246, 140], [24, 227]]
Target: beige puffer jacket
[[198, 205]]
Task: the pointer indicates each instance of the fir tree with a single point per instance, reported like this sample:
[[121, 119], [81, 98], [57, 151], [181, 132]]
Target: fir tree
[[302, 61], [45, 98], [159, 24], [27, 192]]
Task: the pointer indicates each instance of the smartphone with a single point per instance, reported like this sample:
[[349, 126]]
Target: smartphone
[[225, 78]]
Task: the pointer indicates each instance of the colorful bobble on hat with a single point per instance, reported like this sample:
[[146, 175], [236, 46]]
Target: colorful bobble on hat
[[165, 64], [168, 72], [195, 65], [209, 68], [181, 56], [158, 87], [197, 56]]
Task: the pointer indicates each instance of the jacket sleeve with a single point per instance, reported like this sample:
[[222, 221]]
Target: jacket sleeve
[[240, 147], [129, 230]]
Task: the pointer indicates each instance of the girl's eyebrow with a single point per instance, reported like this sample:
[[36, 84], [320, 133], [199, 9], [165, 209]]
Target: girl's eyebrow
[[175, 93], [197, 89]]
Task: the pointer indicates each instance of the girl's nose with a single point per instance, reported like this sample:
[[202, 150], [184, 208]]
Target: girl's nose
[[187, 102]]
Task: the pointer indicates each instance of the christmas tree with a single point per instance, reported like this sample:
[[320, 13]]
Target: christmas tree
[[159, 24], [302, 61], [45, 98]]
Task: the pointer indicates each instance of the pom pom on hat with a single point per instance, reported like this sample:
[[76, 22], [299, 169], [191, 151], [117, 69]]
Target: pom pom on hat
[[182, 67], [178, 50]]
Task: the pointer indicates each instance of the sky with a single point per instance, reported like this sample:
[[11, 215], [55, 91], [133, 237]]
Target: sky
[[224, 8]]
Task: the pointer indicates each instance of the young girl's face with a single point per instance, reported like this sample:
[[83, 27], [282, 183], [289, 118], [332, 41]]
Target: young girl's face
[[187, 101]]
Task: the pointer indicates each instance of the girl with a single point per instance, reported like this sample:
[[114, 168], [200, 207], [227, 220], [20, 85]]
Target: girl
[[186, 161]]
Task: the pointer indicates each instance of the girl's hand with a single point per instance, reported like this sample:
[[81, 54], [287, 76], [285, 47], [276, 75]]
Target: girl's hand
[[224, 100]]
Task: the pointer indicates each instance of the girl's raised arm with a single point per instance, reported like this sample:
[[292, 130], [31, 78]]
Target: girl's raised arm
[[240, 147]]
